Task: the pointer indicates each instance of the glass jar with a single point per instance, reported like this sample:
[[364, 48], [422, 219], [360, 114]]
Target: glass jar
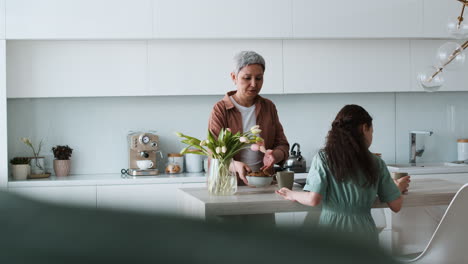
[[175, 163]]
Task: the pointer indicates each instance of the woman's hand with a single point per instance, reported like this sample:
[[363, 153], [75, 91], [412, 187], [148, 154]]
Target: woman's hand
[[403, 183], [268, 160], [286, 193], [242, 169]]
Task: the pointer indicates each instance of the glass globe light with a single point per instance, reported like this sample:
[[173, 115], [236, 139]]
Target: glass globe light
[[459, 31], [428, 81], [453, 52]]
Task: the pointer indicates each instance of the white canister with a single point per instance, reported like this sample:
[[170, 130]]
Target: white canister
[[193, 162], [463, 149]]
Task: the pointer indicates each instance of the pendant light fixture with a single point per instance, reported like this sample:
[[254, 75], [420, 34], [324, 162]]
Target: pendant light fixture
[[450, 56]]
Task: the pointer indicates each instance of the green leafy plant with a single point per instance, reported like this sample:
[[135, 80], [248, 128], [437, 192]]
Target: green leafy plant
[[62, 152], [20, 161]]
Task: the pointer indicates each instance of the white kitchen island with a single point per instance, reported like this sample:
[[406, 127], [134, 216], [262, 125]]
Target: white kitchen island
[[407, 231]]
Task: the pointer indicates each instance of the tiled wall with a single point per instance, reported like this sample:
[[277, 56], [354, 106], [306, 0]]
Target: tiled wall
[[96, 128]]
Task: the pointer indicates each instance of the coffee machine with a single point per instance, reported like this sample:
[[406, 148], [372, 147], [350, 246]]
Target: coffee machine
[[143, 149]]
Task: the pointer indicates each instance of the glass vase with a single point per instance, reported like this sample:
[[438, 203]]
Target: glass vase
[[220, 180], [37, 165]]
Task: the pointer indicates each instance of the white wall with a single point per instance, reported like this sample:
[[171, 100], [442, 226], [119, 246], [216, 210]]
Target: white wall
[[3, 118], [96, 127]]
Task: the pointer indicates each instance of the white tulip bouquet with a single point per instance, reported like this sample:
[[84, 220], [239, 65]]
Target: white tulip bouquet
[[221, 150]]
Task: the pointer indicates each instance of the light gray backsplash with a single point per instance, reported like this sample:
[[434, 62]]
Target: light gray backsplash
[[96, 128], [444, 113]]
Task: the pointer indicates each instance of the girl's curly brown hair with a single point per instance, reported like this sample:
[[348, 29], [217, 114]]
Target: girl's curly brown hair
[[346, 149]]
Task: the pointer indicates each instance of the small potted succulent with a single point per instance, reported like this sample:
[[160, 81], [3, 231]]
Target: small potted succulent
[[20, 168], [62, 161]]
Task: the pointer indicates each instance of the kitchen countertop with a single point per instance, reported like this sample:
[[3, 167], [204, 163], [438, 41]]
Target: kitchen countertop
[[108, 179], [114, 179], [425, 190]]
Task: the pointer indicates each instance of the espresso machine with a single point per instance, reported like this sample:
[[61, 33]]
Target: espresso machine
[[143, 152]]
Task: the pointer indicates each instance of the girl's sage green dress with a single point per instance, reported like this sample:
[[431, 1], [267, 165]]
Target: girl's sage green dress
[[346, 206]]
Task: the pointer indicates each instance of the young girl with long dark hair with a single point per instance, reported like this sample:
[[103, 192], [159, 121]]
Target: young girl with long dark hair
[[347, 178]]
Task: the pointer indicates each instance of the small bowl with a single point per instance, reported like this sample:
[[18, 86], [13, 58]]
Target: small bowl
[[259, 181]]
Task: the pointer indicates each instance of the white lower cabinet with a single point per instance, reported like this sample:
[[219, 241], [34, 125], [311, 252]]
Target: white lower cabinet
[[70, 195], [148, 198]]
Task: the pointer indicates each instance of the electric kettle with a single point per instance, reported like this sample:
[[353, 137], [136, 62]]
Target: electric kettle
[[295, 162]]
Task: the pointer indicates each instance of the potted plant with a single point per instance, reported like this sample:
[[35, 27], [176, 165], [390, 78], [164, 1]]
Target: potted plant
[[20, 168], [37, 163], [62, 161]]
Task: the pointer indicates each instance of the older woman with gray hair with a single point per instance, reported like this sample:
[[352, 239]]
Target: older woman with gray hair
[[243, 108]]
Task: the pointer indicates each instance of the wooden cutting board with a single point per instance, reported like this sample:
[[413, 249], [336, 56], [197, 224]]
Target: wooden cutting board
[[39, 176]]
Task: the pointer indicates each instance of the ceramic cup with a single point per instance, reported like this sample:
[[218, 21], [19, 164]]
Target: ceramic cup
[[144, 164], [285, 179], [398, 175]]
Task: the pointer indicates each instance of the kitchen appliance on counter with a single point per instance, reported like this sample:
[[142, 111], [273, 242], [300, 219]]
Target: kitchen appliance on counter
[[143, 148], [295, 162], [462, 150]]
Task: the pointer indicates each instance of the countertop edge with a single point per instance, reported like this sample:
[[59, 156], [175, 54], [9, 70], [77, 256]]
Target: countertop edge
[[108, 179]]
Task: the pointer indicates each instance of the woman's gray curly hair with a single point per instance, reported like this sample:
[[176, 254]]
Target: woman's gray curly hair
[[245, 58]]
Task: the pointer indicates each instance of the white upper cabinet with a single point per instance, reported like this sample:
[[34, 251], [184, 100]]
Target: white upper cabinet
[[437, 14], [76, 68], [83, 19], [357, 19], [222, 19], [203, 67], [2, 19], [423, 53], [342, 66]]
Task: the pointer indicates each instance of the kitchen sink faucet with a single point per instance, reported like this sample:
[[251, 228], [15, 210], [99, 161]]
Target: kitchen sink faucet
[[413, 151]]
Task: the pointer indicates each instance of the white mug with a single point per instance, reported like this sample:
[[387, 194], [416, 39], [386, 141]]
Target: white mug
[[144, 164]]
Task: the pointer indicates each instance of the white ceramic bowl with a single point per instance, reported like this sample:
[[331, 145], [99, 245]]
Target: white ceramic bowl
[[259, 181]]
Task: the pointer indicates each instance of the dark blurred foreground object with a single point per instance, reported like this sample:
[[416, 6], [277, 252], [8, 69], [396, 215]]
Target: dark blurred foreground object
[[34, 232]]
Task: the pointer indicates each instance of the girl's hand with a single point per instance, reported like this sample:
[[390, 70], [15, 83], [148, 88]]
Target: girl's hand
[[403, 183], [286, 194]]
